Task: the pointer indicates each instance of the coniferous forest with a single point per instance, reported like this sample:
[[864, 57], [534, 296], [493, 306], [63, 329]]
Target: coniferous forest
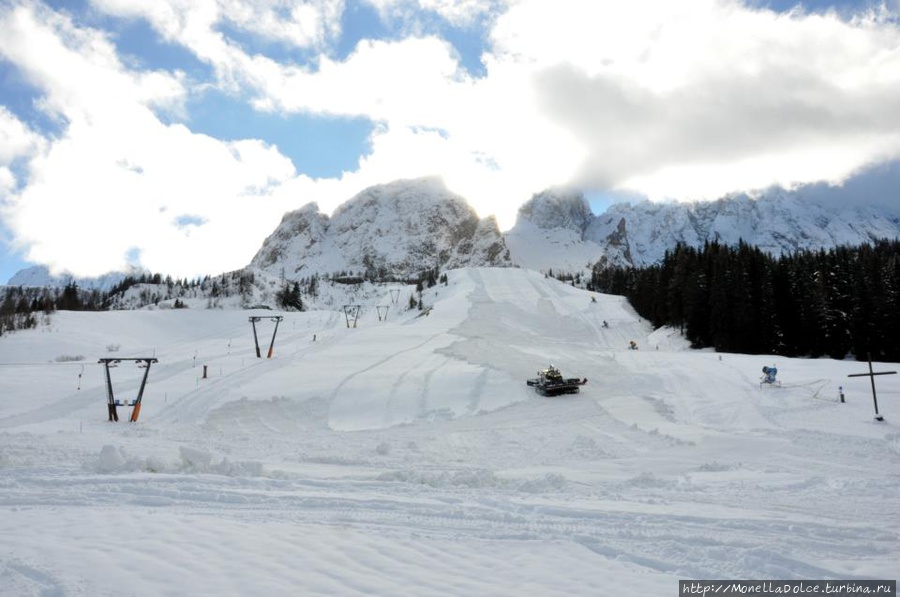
[[844, 302]]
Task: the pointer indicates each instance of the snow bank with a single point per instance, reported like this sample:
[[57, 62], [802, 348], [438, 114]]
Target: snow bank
[[113, 459]]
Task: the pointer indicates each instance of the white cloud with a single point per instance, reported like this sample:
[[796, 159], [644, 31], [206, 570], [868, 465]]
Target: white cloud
[[408, 82], [459, 13], [690, 99], [18, 144], [309, 23], [17, 140], [117, 178], [618, 95], [302, 24], [81, 65]]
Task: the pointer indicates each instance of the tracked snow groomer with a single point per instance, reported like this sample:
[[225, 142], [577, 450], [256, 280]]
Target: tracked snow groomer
[[550, 382]]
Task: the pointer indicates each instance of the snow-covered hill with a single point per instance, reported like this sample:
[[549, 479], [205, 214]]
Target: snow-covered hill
[[407, 455], [398, 229]]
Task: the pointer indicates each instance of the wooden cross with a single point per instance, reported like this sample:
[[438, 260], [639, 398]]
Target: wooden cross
[[871, 375]]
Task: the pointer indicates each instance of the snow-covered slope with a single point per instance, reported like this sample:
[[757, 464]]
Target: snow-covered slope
[[555, 229], [396, 229], [407, 456]]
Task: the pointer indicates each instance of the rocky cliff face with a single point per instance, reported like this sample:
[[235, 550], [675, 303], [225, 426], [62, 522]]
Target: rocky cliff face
[[396, 229], [558, 208]]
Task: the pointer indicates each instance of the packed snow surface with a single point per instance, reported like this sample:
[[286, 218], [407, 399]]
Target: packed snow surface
[[408, 456]]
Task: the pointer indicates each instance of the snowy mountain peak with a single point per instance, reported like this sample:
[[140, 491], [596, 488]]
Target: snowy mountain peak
[[394, 229], [558, 208]]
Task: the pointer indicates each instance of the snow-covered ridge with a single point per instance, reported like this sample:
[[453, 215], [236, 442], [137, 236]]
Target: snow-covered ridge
[[555, 230]]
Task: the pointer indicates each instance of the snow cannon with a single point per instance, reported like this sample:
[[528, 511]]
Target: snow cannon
[[550, 382]]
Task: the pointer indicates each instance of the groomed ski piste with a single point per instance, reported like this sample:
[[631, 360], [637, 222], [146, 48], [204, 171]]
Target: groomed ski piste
[[408, 456]]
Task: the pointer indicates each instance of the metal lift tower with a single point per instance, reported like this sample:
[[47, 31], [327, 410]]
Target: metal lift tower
[[277, 319], [111, 401]]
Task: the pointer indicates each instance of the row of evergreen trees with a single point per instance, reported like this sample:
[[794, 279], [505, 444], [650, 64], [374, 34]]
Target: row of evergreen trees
[[22, 308], [836, 303]]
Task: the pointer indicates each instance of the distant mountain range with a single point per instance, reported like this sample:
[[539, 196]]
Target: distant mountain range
[[556, 229], [40, 276], [412, 225], [408, 226]]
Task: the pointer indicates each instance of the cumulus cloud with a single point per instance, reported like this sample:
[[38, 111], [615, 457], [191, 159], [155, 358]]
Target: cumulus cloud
[[18, 144], [748, 97], [406, 82], [118, 181], [304, 23], [201, 25], [17, 140], [459, 13], [687, 99], [639, 96]]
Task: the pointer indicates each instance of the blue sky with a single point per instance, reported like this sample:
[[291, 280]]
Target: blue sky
[[175, 135]]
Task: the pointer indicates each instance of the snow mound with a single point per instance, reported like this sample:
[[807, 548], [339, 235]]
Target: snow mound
[[114, 460]]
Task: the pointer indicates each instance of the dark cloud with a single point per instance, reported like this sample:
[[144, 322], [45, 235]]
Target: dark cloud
[[724, 117], [878, 186]]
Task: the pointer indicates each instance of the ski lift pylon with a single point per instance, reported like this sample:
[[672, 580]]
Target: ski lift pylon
[[111, 401]]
